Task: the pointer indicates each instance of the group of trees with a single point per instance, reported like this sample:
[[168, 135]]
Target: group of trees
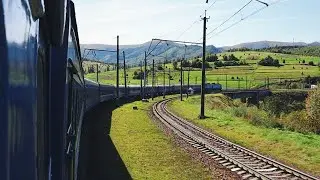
[[239, 49], [138, 75], [230, 60], [298, 50], [269, 61], [196, 63], [212, 58], [231, 57]]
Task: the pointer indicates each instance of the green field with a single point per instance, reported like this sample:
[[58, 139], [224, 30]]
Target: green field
[[295, 149], [242, 77], [146, 151]]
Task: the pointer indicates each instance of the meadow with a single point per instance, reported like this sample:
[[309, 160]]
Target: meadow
[[146, 151], [235, 77]]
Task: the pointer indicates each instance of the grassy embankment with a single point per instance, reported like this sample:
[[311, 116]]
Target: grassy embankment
[[292, 148], [146, 151], [237, 76]]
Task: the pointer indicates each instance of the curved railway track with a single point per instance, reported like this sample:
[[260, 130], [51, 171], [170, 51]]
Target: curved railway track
[[244, 162]]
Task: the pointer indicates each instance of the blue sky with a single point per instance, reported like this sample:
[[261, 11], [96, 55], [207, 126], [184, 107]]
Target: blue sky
[[138, 21]]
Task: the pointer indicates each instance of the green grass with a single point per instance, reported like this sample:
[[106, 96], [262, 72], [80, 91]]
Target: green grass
[[146, 151], [255, 56], [292, 148], [248, 76]]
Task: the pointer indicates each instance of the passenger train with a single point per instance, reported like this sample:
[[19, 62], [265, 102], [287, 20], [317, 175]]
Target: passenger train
[[43, 92]]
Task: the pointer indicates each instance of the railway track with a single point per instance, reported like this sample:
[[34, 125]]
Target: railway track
[[244, 162]]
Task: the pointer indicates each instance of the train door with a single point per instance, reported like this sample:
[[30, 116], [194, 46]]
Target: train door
[[42, 124], [75, 98]]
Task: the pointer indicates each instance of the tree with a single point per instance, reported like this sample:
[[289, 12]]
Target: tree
[[212, 58], [232, 58], [311, 63], [185, 63], [225, 57], [303, 61], [175, 65], [198, 64], [284, 61], [159, 67], [137, 75]]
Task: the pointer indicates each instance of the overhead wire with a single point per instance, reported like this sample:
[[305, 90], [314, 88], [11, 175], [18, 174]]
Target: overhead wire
[[231, 17], [196, 21], [242, 19], [148, 53], [234, 14]]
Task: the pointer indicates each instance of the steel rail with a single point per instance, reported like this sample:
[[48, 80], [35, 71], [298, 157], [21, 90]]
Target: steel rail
[[245, 162]]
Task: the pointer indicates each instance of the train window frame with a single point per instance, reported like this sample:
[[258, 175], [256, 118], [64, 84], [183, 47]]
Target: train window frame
[[78, 61]]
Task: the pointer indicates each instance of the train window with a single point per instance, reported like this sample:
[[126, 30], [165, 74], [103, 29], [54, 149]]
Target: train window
[[73, 53]]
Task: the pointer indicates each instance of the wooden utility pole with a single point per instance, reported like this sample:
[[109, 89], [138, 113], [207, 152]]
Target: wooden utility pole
[[152, 78], [117, 83], [181, 79], [145, 75], [246, 82], [164, 79], [125, 73], [97, 74], [226, 82], [188, 81], [140, 76], [203, 77], [169, 78]]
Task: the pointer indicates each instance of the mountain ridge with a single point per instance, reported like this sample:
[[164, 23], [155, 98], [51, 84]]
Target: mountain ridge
[[172, 50], [136, 52]]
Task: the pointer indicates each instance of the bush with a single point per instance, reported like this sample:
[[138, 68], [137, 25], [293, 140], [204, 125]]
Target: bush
[[298, 121], [219, 102], [284, 102], [252, 57], [294, 86], [313, 109], [240, 111], [231, 63], [262, 118], [218, 64], [311, 63]]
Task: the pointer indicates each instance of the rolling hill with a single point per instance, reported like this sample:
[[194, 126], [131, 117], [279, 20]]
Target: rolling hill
[[135, 53], [263, 44]]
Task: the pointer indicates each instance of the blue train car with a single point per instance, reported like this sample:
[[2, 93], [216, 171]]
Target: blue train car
[[41, 90]]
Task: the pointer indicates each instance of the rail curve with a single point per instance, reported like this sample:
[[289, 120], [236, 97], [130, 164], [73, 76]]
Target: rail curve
[[244, 162]]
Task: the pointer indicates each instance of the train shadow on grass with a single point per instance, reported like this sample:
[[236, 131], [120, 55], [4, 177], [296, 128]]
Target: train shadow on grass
[[99, 158]]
